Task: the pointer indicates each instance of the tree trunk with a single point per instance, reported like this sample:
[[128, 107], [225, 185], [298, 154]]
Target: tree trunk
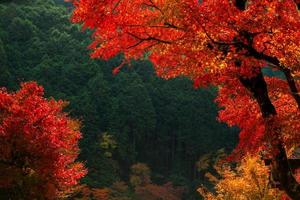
[[280, 166]]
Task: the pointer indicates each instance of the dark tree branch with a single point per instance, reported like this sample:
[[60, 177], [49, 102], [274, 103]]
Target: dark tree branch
[[170, 25], [150, 38], [280, 165], [259, 55], [258, 87], [166, 25], [136, 44], [275, 62], [152, 5], [251, 51], [241, 4]]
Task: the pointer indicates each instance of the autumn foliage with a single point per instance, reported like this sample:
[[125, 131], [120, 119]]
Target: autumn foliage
[[224, 43], [249, 181], [210, 42], [38, 145]]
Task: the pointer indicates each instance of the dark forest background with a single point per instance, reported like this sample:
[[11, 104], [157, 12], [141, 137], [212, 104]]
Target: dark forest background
[[128, 118]]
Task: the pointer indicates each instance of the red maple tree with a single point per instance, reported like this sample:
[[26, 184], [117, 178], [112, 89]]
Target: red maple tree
[[224, 43], [38, 145]]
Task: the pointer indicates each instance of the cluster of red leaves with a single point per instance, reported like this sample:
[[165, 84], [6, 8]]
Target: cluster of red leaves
[[212, 42], [179, 34], [38, 138], [237, 101]]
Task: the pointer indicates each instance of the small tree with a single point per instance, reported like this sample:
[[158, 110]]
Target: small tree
[[38, 146], [140, 175], [249, 181]]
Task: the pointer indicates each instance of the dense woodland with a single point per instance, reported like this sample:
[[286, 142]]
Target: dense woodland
[[133, 117], [149, 99]]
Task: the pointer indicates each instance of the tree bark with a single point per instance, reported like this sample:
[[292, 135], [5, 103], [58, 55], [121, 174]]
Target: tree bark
[[280, 166]]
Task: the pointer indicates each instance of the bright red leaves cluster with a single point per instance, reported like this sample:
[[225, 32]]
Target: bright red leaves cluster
[[38, 143], [213, 42], [240, 109]]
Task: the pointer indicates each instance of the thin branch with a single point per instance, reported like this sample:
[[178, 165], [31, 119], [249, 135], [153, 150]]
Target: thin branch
[[116, 5], [170, 25], [136, 44], [149, 39], [152, 5], [167, 25]]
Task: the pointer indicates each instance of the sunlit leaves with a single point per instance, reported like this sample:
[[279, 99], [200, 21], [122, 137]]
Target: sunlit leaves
[[249, 181]]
